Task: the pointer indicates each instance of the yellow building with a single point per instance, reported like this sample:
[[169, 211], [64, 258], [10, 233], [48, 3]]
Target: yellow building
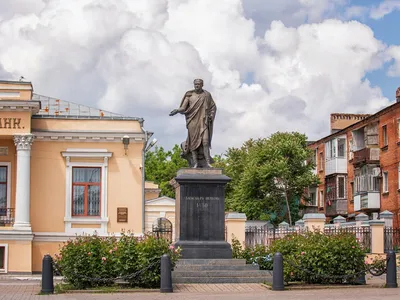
[[65, 169]]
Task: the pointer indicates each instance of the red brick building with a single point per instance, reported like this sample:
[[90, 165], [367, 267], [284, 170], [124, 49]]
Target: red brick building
[[359, 165]]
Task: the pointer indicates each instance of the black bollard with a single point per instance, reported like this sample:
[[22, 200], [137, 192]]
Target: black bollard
[[166, 275], [277, 273], [361, 279], [391, 270], [47, 275]]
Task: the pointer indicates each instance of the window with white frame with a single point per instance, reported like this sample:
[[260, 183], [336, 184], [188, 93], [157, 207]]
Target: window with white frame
[[312, 195], [398, 128], [5, 186], [321, 161], [86, 188], [398, 177], [3, 258], [330, 149], [366, 179], [321, 198], [384, 135], [341, 187], [385, 187], [341, 148]]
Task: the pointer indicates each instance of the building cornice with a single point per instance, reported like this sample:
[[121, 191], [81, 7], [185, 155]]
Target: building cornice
[[15, 235], [64, 237], [20, 105], [87, 136]]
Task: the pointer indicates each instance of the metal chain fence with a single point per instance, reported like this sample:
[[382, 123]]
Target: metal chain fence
[[58, 271]]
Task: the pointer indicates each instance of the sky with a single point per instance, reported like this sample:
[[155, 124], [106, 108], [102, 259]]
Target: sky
[[270, 65]]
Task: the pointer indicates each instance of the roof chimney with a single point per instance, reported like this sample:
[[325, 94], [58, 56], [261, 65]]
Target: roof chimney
[[398, 95], [340, 121]]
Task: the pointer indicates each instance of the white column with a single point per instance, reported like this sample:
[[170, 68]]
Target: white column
[[23, 144]]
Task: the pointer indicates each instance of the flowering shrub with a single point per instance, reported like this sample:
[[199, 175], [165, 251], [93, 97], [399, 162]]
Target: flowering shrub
[[89, 261], [314, 257], [253, 255]]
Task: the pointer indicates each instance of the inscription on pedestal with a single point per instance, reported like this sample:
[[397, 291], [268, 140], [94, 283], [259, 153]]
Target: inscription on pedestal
[[202, 212]]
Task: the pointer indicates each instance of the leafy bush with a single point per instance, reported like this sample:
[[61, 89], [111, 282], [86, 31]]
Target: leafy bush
[[253, 255], [90, 261], [314, 257], [310, 257]]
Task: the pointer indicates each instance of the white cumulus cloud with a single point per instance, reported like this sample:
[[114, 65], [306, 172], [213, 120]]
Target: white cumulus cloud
[[266, 71], [384, 8]]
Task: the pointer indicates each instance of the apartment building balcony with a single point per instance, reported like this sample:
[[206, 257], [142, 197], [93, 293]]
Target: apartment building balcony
[[336, 165], [367, 201], [7, 217], [336, 207], [366, 156], [309, 209]]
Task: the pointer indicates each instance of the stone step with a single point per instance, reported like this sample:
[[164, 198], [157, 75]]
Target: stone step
[[221, 279], [215, 268], [212, 262], [214, 274]]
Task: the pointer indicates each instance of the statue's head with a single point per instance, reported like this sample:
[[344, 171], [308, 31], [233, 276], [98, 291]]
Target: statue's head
[[198, 84]]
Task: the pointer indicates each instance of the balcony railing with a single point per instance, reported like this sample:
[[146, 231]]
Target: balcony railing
[[335, 165], [309, 209], [7, 216], [337, 207], [366, 155], [367, 201]]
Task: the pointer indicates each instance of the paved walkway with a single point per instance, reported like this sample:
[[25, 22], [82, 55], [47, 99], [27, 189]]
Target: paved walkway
[[11, 288], [205, 292]]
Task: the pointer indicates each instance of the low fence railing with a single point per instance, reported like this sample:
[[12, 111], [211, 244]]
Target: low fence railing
[[265, 236], [362, 234], [391, 239]]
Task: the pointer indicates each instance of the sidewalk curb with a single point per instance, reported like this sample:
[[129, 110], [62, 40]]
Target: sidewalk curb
[[322, 287]]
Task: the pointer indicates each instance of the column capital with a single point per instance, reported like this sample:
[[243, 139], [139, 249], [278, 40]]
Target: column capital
[[23, 141]]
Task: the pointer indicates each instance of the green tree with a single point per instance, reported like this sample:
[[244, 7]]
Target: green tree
[[161, 166], [269, 176]]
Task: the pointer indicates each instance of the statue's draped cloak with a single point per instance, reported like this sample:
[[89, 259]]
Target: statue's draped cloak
[[199, 110]]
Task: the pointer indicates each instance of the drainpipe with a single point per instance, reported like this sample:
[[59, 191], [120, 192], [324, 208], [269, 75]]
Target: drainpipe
[[143, 177]]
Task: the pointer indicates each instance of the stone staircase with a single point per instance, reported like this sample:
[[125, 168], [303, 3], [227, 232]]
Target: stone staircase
[[218, 271]]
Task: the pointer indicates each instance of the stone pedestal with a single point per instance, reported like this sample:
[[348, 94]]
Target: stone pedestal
[[200, 213]]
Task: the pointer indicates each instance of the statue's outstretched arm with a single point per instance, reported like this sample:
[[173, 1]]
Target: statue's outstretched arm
[[182, 108]]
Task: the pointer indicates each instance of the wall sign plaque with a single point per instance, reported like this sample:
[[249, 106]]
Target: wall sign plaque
[[122, 214], [3, 151]]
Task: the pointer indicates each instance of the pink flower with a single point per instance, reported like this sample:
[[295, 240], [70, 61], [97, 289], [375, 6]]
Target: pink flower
[[302, 253], [171, 247], [111, 251], [115, 248], [89, 253], [352, 247], [103, 258]]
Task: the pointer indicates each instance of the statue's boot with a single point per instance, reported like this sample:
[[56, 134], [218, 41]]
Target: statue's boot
[[207, 155], [195, 161]]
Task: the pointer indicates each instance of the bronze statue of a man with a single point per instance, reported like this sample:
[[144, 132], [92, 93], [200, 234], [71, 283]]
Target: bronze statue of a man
[[199, 109]]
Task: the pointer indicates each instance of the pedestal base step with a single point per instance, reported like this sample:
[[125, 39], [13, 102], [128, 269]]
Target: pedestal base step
[[211, 280], [218, 271], [211, 262]]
